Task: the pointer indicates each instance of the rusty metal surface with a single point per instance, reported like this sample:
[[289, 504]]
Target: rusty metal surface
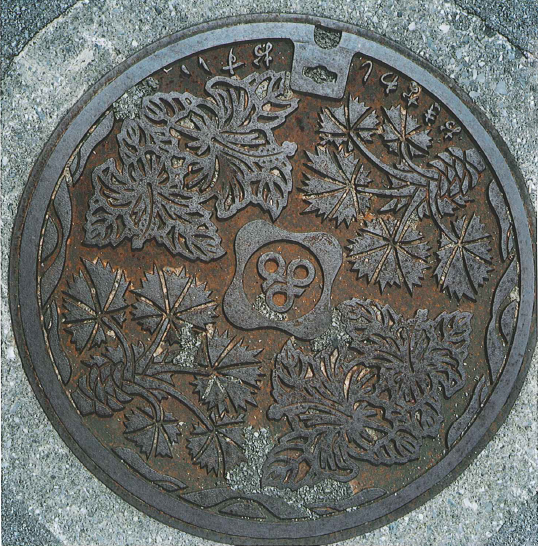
[[289, 295]]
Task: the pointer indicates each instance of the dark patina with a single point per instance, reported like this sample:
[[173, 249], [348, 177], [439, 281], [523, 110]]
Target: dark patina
[[281, 289]]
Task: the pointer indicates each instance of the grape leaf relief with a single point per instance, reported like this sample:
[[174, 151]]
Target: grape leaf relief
[[373, 399], [223, 146], [144, 200], [183, 151]]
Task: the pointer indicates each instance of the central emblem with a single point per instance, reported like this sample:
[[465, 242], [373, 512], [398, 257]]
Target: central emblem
[[284, 283]]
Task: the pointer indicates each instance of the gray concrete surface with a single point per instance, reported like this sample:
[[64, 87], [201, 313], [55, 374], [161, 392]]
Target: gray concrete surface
[[21, 20], [51, 497], [19, 528], [521, 529], [515, 19]]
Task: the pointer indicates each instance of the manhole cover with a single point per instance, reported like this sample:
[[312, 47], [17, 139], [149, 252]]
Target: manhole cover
[[279, 290]]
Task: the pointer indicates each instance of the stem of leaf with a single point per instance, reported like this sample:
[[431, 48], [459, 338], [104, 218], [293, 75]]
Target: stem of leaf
[[144, 360], [148, 382], [132, 388], [410, 178], [127, 352]]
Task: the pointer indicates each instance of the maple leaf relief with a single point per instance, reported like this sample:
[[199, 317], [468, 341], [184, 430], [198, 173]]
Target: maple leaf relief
[[464, 258], [387, 253], [173, 296], [344, 123], [220, 448], [93, 298], [400, 129], [227, 373], [150, 436], [332, 189]]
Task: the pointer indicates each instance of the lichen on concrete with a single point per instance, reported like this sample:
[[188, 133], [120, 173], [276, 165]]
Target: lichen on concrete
[[247, 477], [188, 343], [129, 104], [260, 305], [334, 335]]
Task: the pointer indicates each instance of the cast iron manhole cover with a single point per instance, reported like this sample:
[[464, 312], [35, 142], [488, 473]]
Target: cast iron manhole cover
[[273, 281]]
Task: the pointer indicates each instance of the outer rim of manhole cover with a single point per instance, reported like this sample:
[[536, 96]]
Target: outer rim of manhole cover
[[25, 314]]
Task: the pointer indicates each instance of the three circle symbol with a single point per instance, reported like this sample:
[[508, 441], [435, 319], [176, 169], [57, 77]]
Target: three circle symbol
[[283, 280]]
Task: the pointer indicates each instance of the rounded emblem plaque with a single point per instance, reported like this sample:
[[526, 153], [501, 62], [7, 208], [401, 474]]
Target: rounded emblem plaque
[[273, 281]]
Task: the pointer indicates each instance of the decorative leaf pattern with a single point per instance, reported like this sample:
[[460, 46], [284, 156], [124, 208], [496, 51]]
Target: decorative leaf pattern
[[342, 123], [230, 151], [94, 296], [372, 400], [175, 297], [150, 436], [145, 201], [464, 259], [415, 357], [400, 128], [387, 254], [332, 425], [393, 251], [231, 375], [185, 150], [220, 448], [331, 191], [225, 372]]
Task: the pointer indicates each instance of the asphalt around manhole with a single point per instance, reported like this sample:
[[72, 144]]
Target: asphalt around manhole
[[276, 287]]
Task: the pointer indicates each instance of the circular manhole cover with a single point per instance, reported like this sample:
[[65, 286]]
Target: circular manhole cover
[[273, 281]]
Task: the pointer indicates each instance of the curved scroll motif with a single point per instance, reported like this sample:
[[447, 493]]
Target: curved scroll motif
[[373, 400], [83, 153], [502, 324], [168, 483], [505, 300], [54, 243], [53, 254], [496, 198], [57, 229], [251, 505], [503, 320], [59, 357], [459, 426]]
